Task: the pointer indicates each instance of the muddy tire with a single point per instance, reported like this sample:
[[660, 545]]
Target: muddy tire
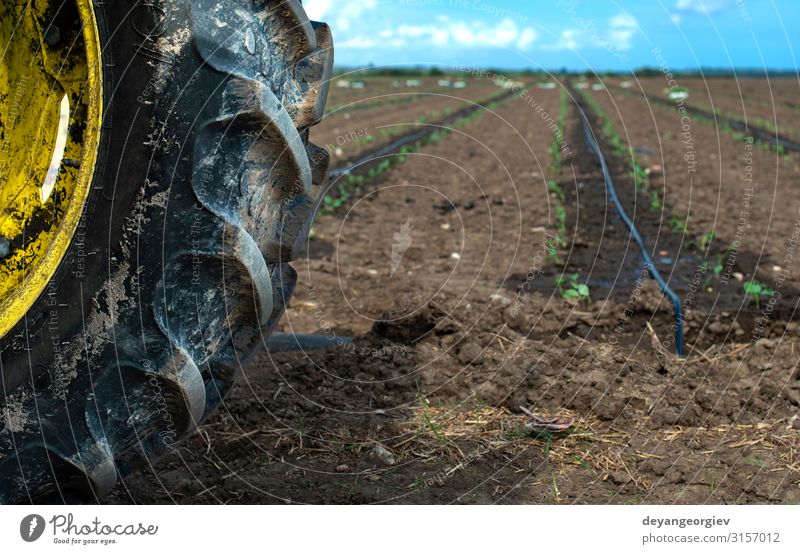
[[205, 188]]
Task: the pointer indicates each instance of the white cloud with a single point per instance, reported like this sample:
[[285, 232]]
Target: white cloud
[[703, 6], [676, 18], [622, 28], [617, 35], [623, 21], [361, 43], [464, 34], [347, 12], [317, 9], [567, 40], [342, 17], [526, 38]]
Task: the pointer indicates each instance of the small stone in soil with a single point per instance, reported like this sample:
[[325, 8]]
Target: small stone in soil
[[610, 409], [382, 455], [517, 320], [470, 353], [619, 478], [665, 416], [499, 298]]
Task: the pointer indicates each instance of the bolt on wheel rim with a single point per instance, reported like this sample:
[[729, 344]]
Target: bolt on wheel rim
[[50, 119]]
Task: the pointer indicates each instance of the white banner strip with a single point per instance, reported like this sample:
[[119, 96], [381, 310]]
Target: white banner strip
[[399, 529]]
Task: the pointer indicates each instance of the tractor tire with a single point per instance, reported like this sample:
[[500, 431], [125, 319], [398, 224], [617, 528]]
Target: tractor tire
[[204, 189]]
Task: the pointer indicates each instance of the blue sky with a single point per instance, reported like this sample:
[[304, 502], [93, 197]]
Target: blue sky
[[576, 34]]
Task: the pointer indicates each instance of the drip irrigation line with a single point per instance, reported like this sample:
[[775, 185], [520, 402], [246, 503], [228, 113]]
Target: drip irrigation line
[[645, 151], [648, 261], [414, 136], [373, 155], [402, 98], [771, 137]]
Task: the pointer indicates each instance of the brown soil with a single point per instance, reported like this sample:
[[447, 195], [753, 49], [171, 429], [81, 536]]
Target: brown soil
[[761, 103], [374, 85], [718, 192], [439, 272], [345, 135], [751, 91], [381, 90]]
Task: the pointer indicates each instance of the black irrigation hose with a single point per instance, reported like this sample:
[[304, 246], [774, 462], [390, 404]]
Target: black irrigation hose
[[763, 135], [358, 106], [648, 261], [373, 155], [414, 136]]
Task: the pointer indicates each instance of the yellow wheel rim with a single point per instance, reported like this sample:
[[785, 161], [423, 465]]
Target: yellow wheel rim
[[50, 120]]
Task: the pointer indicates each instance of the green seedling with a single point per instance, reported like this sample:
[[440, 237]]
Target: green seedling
[[570, 288], [553, 187], [677, 224], [555, 152], [718, 266], [552, 253], [641, 180], [705, 240], [757, 291], [655, 202], [561, 216], [556, 160], [331, 202]]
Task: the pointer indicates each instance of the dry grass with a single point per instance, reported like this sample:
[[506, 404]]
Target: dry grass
[[774, 439], [447, 433], [447, 440]]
